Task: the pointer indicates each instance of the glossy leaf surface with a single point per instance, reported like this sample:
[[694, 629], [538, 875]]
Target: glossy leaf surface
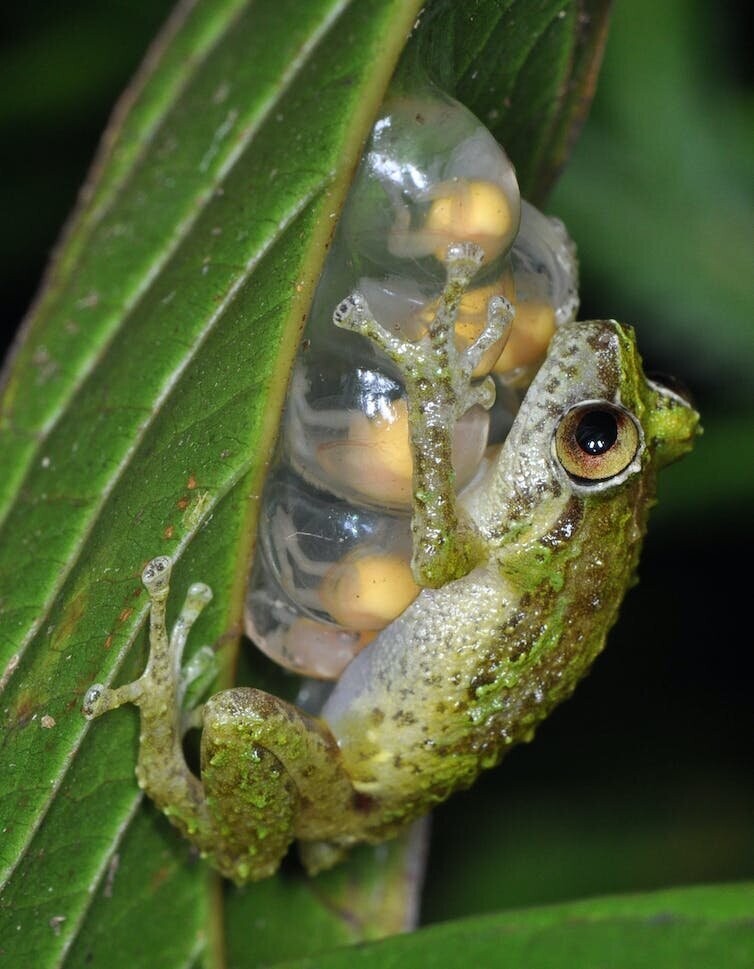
[[701, 927]]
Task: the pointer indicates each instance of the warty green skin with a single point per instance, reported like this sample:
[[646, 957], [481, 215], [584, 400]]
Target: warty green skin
[[467, 671]]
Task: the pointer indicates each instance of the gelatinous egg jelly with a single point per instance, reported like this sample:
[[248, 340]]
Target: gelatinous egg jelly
[[334, 549]]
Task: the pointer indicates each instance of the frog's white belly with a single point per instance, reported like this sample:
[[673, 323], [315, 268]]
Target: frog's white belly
[[415, 678]]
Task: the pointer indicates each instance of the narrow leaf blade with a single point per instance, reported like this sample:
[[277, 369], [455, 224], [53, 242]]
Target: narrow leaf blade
[[701, 927]]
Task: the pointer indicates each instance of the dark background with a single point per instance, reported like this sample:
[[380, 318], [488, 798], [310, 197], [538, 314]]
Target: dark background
[[645, 779]]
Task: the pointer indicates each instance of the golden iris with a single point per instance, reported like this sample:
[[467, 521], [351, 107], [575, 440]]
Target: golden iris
[[596, 441]]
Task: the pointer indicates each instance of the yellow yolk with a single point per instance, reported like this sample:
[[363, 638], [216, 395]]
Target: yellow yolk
[[375, 457], [368, 591], [476, 212], [471, 320], [533, 327]]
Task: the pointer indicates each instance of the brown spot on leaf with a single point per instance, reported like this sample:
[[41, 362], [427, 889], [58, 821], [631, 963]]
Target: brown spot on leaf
[[23, 712], [159, 877], [72, 614]]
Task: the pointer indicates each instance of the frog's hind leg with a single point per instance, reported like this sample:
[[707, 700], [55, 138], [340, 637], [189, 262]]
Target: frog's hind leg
[[244, 852], [263, 762], [269, 772], [161, 768]]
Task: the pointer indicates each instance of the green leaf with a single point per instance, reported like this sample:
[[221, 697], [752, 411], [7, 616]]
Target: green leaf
[[706, 928], [138, 414], [528, 70]]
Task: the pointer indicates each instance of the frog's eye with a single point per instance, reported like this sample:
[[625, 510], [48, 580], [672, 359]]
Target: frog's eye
[[596, 442]]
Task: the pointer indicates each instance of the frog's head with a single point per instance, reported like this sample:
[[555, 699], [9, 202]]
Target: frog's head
[[573, 487], [577, 472], [616, 422], [590, 423]]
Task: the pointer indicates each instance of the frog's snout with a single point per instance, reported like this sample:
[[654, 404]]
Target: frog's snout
[[674, 421]]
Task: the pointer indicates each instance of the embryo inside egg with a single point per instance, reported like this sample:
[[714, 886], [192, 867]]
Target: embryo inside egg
[[333, 557]]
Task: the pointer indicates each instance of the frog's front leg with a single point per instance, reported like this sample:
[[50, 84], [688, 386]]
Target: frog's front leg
[[439, 390], [269, 772]]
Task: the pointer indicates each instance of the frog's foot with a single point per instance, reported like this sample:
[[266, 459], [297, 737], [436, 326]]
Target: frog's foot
[[462, 261], [439, 390], [237, 846], [163, 681], [434, 370], [159, 692], [261, 759]]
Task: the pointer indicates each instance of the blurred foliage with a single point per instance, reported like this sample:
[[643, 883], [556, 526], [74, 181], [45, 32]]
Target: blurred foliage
[[645, 779], [63, 68]]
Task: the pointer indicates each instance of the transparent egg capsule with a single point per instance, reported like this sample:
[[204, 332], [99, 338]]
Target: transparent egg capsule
[[539, 277], [325, 554], [333, 562], [306, 646], [327, 577], [351, 437], [545, 275], [432, 175]]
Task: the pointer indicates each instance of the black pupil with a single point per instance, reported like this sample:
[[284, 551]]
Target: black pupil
[[597, 431]]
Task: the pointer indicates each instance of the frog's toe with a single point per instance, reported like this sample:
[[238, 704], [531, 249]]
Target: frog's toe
[[462, 260], [92, 705], [197, 676], [156, 574]]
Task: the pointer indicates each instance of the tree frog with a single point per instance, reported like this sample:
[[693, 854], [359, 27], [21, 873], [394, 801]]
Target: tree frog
[[552, 532], [514, 580]]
